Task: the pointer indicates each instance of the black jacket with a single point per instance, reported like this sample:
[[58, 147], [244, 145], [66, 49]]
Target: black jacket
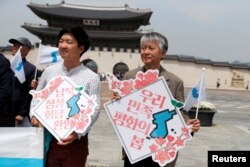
[[7, 118], [21, 98]]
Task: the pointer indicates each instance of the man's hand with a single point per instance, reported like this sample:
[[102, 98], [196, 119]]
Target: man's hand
[[34, 84], [35, 122], [68, 140], [116, 96], [19, 119], [195, 124]]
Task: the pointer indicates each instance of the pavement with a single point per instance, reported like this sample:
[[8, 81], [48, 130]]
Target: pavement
[[105, 147]]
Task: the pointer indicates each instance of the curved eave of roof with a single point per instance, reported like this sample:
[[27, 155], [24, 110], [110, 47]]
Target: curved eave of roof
[[97, 34], [240, 66], [171, 57], [90, 12], [203, 61], [186, 58], [41, 30], [221, 64]]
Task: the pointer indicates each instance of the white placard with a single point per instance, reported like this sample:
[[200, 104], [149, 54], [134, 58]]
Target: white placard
[[148, 123]]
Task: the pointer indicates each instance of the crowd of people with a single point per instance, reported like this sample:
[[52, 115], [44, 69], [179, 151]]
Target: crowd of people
[[73, 42]]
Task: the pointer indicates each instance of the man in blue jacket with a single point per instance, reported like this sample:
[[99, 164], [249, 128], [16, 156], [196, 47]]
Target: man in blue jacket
[[7, 118], [21, 98]]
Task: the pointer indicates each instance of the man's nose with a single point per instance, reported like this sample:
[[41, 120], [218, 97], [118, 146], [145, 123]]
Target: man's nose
[[62, 44]]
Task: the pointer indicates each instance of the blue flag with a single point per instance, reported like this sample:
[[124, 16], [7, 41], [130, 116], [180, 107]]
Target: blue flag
[[48, 55], [17, 66], [197, 93]]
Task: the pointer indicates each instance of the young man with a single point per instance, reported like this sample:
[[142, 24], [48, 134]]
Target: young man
[[21, 98], [72, 43], [7, 118], [154, 47]]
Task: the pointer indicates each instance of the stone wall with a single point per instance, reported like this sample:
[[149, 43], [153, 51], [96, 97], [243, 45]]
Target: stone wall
[[190, 72]]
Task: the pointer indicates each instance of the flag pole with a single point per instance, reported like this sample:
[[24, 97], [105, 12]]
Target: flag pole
[[199, 97], [201, 83], [37, 60]]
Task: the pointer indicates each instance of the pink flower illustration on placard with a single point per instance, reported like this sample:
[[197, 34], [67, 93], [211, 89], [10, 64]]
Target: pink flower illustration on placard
[[144, 79], [127, 87], [44, 94], [83, 116], [121, 87], [160, 141], [46, 91], [165, 149], [151, 76], [54, 84], [116, 85]]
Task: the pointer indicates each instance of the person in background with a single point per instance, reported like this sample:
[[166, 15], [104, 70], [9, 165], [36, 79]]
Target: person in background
[[7, 118], [153, 47], [72, 43], [21, 98], [218, 83]]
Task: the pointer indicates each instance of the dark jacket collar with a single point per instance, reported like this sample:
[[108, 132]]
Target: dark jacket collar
[[24, 59]]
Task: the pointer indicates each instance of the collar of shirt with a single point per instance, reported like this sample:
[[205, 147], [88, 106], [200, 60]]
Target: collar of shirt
[[71, 71], [160, 69]]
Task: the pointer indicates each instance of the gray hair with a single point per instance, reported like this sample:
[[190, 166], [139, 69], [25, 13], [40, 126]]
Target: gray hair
[[155, 37]]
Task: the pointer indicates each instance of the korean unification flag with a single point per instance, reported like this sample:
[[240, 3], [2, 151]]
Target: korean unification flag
[[198, 92], [22, 147], [48, 55], [17, 66]]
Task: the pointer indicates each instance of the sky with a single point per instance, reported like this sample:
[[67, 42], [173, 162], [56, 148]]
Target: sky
[[218, 30]]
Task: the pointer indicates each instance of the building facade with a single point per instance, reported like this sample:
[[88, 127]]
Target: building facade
[[111, 28], [115, 36], [187, 68]]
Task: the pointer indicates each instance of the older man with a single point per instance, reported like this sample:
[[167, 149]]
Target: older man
[[154, 47], [21, 98]]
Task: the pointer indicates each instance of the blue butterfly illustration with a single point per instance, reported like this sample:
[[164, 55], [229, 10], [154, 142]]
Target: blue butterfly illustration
[[19, 66], [195, 92]]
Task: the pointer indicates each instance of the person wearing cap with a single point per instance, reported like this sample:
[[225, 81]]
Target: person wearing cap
[[72, 151], [7, 118], [21, 98], [153, 47]]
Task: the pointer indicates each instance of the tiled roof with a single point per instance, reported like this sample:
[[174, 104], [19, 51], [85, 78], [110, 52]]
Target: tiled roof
[[97, 34], [186, 58], [240, 66], [90, 12], [221, 63]]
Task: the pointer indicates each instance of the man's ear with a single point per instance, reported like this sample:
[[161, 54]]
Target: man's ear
[[164, 54], [82, 48]]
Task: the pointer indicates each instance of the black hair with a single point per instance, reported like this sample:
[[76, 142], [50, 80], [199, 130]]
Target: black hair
[[79, 34]]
